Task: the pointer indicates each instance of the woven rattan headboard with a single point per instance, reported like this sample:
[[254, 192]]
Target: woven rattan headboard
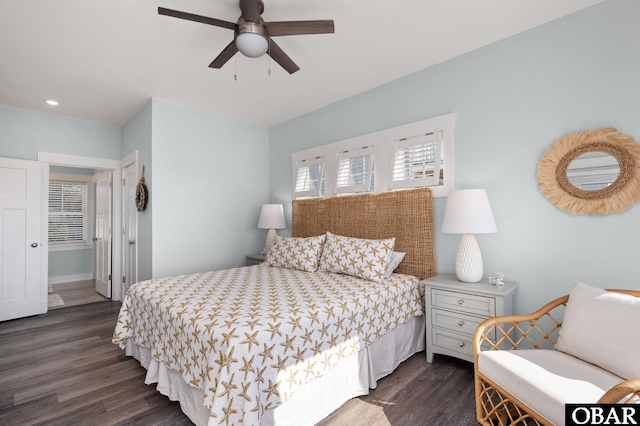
[[406, 215]]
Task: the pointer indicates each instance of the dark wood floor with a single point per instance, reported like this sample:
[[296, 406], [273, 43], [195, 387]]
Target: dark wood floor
[[61, 368]]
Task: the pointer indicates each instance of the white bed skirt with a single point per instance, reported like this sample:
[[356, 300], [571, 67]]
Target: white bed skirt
[[354, 376]]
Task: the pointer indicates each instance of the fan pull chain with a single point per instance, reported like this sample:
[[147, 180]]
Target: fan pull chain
[[269, 66], [235, 67]]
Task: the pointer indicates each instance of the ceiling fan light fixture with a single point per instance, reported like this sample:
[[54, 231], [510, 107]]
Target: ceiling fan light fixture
[[252, 45], [252, 35], [251, 40]]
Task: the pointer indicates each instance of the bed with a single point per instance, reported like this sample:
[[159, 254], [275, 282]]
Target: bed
[[286, 343]]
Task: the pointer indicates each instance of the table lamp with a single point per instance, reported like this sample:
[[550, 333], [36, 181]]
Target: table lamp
[[271, 218], [468, 212]]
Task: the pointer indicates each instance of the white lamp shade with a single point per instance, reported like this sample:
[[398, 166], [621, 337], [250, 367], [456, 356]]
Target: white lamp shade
[[251, 44], [468, 212], [271, 217]]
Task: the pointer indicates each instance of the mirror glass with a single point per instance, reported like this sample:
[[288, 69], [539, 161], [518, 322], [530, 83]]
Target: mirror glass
[[592, 171]]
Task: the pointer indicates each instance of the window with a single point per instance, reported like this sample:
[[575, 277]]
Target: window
[[68, 216], [354, 171], [309, 178], [408, 156], [417, 161]]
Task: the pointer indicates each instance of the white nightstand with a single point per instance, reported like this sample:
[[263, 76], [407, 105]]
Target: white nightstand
[[454, 309], [254, 259]]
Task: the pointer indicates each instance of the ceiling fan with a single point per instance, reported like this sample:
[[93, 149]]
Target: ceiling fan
[[252, 35]]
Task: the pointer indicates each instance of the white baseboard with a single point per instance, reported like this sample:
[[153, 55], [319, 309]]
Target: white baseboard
[[69, 278]]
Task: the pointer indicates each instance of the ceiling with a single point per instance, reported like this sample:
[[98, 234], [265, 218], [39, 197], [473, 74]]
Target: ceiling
[[103, 60]]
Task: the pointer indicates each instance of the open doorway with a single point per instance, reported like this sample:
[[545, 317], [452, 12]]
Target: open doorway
[[79, 235], [112, 281]]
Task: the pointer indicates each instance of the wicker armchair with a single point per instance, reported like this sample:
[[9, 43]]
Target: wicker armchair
[[538, 330]]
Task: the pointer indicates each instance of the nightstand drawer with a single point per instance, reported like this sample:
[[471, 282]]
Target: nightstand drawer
[[453, 341], [455, 309], [463, 302], [455, 321]]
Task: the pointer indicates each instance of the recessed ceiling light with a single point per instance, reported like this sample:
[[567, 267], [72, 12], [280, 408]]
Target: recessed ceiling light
[[52, 102]]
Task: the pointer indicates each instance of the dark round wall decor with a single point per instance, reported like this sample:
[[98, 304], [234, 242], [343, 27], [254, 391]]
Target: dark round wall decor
[[142, 194]]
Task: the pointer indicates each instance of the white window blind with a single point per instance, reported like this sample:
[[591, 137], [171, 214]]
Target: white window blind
[[309, 181], [67, 212], [354, 170], [417, 161], [408, 156]]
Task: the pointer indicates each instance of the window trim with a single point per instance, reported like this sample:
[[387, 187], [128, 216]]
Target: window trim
[[382, 143]]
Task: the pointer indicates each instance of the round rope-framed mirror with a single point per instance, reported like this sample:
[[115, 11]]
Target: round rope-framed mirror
[[560, 180]]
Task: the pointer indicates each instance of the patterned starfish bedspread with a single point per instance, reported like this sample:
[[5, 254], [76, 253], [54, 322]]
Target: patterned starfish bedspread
[[249, 337]]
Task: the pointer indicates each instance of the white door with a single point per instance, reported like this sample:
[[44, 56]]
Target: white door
[[130, 222], [103, 233], [21, 254]]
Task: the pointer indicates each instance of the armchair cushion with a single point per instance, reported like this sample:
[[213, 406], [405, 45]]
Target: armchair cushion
[[545, 380], [598, 327]]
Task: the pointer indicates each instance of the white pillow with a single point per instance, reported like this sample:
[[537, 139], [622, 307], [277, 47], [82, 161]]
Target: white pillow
[[601, 327], [296, 253], [394, 261], [358, 257]]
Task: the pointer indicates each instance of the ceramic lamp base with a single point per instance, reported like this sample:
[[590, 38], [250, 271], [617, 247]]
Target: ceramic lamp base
[[469, 260], [271, 237]]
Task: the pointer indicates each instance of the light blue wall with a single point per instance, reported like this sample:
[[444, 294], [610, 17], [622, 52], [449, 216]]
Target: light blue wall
[[511, 101], [210, 177], [208, 207], [137, 135], [23, 133], [71, 263]]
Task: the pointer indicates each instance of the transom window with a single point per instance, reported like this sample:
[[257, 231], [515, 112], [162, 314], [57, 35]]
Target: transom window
[[417, 161], [354, 171], [408, 156], [310, 178]]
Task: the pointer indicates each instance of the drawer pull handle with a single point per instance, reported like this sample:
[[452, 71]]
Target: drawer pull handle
[[461, 344], [460, 302], [461, 323]]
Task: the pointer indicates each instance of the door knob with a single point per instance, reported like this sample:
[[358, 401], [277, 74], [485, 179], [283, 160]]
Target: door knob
[[34, 245]]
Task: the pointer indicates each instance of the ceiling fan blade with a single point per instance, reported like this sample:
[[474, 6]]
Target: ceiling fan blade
[[197, 18], [281, 58], [285, 28], [251, 10], [226, 54]]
